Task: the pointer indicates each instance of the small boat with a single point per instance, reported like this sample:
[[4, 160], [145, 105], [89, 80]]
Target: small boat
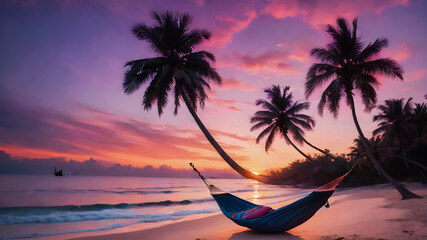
[[57, 173]]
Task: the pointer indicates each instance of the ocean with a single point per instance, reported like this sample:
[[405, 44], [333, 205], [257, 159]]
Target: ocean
[[43, 205]]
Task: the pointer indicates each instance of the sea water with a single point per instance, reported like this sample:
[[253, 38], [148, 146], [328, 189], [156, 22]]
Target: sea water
[[42, 205]]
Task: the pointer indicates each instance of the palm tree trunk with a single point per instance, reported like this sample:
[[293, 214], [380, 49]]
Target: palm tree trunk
[[310, 160], [245, 173], [301, 152], [318, 149], [411, 161], [405, 193]]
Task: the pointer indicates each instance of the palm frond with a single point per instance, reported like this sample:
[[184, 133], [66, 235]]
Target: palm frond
[[270, 138], [264, 132], [163, 86], [317, 75], [296, 132], [372, 49], [256, 119], [149, 96], [325, 56], [260, 124], [176, 94], [384, 66], [297, 107], [267, 106], [331, 96], [307, 125], [139, 72]]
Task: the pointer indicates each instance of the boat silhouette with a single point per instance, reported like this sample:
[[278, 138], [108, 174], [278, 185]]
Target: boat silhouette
[[57, 173]]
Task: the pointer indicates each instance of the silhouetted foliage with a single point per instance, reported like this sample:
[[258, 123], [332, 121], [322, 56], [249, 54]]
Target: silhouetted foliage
[[352, 66], [402, 163], [177, 68], [304, 173]]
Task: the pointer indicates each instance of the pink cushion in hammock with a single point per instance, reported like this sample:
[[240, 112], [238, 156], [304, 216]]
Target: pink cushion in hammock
[[252, 213]]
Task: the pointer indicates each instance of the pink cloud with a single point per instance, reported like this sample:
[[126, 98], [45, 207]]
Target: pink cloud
[[233, 83], [198, 2], [415, 75], [400, 53], [107, 136], [270, 61], [227, 104], [420, 74], [301, 53], [227, 27], [318, 13]]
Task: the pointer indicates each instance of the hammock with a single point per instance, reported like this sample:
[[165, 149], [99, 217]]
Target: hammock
[[265, 219]]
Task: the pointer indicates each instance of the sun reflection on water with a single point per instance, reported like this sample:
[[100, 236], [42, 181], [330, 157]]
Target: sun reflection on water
[[256, 195]]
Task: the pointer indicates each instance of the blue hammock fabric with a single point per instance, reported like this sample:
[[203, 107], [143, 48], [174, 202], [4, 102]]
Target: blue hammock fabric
[[279, 220]]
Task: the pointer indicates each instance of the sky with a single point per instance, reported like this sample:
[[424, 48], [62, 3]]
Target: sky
[[62, 66]]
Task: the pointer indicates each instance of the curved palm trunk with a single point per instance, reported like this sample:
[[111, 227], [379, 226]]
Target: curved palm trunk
[[411, 161], [318, 149], [245, 173], [310, 160], [405, 193]]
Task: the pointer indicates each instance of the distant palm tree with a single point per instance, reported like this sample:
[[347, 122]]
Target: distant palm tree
[[419, 119], [394, 122], [177, 69], [358, 151], [281, 115], [351, 66]]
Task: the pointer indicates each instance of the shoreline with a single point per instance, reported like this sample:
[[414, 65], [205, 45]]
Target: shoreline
[[372, 212]]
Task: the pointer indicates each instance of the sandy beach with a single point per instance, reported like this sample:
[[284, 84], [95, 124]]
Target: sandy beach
[[374, 212]]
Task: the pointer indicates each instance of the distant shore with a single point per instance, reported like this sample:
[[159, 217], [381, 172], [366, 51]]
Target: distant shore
[[374, 212]]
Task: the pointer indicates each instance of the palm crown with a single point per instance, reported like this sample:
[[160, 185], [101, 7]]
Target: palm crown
[[394, 121], [350, 65], [358, 151], [176, 68], [282, 115], [419, 118]]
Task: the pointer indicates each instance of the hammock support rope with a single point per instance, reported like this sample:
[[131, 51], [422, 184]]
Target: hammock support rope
[[281, 219]]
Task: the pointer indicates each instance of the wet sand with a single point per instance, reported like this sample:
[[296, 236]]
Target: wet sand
[[374, 212]]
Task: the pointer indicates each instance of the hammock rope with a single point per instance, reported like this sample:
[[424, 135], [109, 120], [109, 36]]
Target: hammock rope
[[279, 220]]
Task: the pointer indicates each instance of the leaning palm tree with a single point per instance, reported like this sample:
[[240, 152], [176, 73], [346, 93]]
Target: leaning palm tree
[[394, 122], [281, 115], [352, 66], [177, 69]]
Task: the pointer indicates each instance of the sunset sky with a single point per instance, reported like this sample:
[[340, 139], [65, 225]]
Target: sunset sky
[[62, 66]]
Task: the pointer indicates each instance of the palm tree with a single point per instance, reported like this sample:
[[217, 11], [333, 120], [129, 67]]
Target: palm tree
[[394, 122], [399, 125], [281, 115], [177, 68], [358, 153], [352, 66], [418, 119]]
